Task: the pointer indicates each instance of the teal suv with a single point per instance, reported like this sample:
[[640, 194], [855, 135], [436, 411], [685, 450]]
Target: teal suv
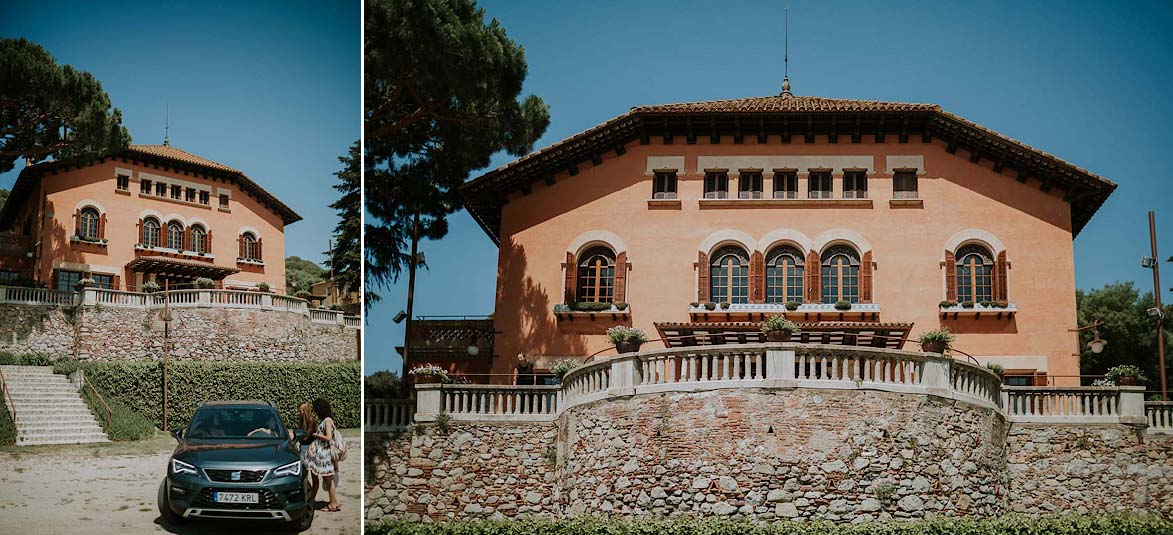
[[237, 461]]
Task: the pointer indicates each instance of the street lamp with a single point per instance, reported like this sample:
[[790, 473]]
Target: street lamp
[[1096, 344], [1150, 262]]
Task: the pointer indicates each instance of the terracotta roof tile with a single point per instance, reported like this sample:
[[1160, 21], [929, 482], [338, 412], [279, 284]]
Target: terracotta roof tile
[[172, 153], [785, 103]]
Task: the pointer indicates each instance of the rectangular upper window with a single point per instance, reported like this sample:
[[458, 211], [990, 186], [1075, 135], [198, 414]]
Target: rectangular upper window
[[204, 197], [189, 195], [819, 185], [123, 182], [855, 185], [160, 189], [176, 191], [749, 186], [786, 185], [717, 185], [144, 187], [904, 185], [664, 185], [223, 200], [66, 281], [103, 281]]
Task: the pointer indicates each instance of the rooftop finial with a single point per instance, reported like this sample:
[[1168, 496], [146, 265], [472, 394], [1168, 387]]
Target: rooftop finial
[[167, 126], [786, 51]]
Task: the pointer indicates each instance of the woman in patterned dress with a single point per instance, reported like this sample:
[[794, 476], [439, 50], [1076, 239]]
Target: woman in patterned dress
[[320, 459]]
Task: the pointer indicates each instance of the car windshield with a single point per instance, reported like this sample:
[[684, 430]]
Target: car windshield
[[228, 422]]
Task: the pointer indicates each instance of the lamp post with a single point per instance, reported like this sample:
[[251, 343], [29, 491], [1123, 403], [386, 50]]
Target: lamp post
[[1157, 312]]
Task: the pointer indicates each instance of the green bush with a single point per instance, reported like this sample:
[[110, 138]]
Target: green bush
[[139, 385], [27, 359], [1008, 525], [121, 423], [7, 430]]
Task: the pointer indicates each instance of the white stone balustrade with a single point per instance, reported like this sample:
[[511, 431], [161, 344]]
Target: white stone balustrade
[[488, 403], [1159, 416], [383, 415], [202, 298], [1077, 404]]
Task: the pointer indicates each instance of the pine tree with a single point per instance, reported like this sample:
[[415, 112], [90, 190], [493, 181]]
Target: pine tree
[[347, 255]]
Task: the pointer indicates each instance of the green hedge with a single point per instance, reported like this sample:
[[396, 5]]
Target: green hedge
[[121, 423], [29, 359], [7, 431], [139, 385], [1009, 525]]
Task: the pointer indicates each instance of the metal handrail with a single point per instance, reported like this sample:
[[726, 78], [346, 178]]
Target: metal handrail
[[109, 413], [8, 397]]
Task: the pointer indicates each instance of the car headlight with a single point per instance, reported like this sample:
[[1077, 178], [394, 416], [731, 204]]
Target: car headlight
[[180, 467], [291, 469]]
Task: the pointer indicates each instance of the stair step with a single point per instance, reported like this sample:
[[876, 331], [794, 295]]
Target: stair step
[[24, 423], [49, 408], [93, 429], [6, 368], [62, 439], [52, 411]]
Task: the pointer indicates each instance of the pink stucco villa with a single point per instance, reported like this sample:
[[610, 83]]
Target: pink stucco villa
[[865, 222]]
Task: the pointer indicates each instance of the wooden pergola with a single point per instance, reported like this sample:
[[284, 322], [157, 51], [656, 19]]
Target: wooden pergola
[[862, 333]]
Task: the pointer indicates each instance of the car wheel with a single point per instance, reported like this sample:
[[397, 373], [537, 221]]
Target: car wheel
[[304, 522], [165, 511]]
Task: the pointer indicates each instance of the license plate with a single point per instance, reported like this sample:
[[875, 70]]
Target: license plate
[[236, 497]]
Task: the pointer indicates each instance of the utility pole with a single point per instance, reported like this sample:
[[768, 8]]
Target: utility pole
[[415, 239], [166, 339], [1160, 311]]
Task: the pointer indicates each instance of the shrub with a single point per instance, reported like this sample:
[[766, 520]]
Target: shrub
[[27, 359], [589, 306], [710, 306], [83, 283], [151, 287], [122, 423], [778, 323], [205, 283], [621, 305], [1124, 370], [7, 430], [25, 282], [947, 303], [563, 367], [967, 304], [792, 305], [937, 335], [139, 385], [262, 286], [619, 334], [996, 368], [843, 304], [303, 294], [1007, 525], [724, 305], [430, 370], [383, 385]]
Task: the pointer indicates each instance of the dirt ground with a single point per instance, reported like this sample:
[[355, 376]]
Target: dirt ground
[[112, 488]]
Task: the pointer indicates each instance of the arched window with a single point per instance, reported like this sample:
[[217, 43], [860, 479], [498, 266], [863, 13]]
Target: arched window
[[151, 232], [596, 276], [199, 238], [975, 268], [248, 247], [840, 274], [729, 275], [175, 236], [89, 223], [784, 270]]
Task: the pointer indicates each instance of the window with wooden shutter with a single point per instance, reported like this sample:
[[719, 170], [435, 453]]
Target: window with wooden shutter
[[814, 287], [950, 276], [757, 278], [569, 273], [702, 277], [865, 278], [620, 277], [1001, 294]]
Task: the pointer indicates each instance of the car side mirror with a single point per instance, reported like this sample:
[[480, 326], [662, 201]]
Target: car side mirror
[[299, 434], [178, 434]]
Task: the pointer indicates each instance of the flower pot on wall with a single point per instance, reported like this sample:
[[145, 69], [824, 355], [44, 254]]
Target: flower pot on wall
[[778, 336], [627, 347], [933, 346], [1126, 380]]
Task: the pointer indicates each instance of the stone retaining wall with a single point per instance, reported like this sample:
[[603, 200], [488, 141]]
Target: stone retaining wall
[[114, 333], [1089, 469]]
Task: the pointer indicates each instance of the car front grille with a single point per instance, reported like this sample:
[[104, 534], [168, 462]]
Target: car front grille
[[267, 500], [246, 476]]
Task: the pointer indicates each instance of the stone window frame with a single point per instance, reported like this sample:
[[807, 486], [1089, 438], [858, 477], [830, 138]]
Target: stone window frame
[[840, 262], [602, 273], [147, 231]]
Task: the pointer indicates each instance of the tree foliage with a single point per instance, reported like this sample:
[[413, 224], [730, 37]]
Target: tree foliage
[[441, 91], [347, 253], [3, 197], [301, 274], [52, 111], [1130, 332], [383, 385]]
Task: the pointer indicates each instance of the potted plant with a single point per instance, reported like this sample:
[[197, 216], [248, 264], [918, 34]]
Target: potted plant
[[621, 306], [205, 283], [936, 341], [83, 283], [967, 304], [843, 304], [778, 328], [1125, 375], [626, 339], [710, 306], [590, 306], [262, 287], [997, 369], [151, 287], [792, 305], [563, 367], [947, 303], [429, 373], [725, 305], [694, 304]]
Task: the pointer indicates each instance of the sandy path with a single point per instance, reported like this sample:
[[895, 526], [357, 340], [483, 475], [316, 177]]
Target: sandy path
[[111, 488]]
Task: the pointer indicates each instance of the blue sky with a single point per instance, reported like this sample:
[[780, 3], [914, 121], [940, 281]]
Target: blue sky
[[1087, 81], [270, 88]]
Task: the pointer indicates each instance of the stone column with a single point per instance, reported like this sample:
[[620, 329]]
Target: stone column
[[936, 376], [428, 401], [623, 379], [89, 296], [1132, 405]]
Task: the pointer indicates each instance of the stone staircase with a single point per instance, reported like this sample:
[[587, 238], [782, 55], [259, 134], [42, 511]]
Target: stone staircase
[[49, 409]]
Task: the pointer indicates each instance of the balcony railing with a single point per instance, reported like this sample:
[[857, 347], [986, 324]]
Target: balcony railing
[[1078, 404], [382, 415], [766, 365], [202, 298], [1159, 416]]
